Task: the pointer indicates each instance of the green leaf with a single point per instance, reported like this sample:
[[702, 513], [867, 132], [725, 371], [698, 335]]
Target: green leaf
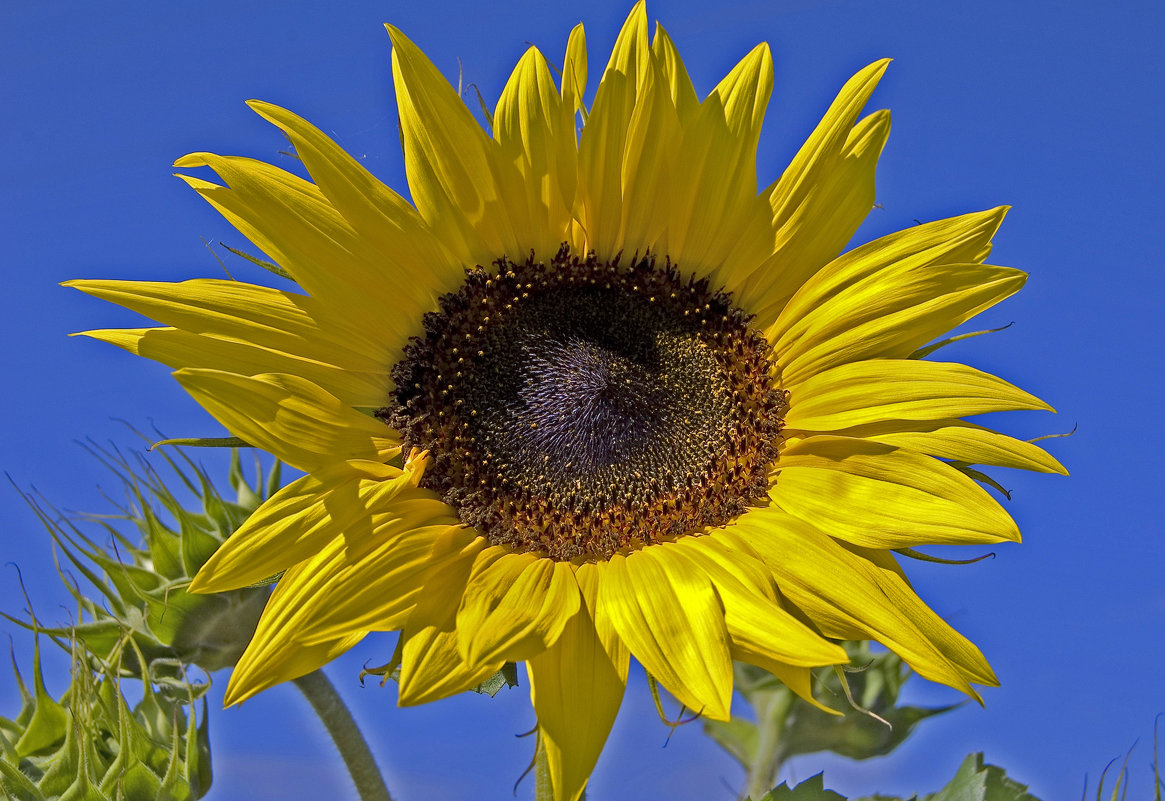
[[737, 736], [812, 789], [976, 781]]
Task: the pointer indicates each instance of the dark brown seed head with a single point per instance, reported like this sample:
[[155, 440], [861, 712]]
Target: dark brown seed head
[[579, 408]]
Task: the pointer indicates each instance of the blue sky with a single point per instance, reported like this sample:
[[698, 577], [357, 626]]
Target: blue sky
[[1053, 107]]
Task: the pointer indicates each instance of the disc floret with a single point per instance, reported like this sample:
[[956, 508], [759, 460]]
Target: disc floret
[[582, 407]]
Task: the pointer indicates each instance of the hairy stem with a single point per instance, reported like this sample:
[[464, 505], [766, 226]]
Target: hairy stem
[[772, 712], [331, 710]]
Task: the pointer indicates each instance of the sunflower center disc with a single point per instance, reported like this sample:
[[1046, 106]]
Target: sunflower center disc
[[579, 408]]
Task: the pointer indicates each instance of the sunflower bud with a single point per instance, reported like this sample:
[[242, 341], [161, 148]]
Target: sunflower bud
[[90, 744], [141, 588]]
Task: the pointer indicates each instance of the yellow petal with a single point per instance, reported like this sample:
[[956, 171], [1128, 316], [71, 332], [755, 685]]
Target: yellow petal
[[961, 441], [668, 615], [877, 390], [452, 165], [294, 419], [576, 689], [757, 625], [885, 497], [294, 224], [848, 597], [272, 657], [718, 226], [323, 601], [415, 263], [680, 88], [431, 666], [648, 166], [574, 72], [296, 328], [816, 210], [301, 518], [890, 315], [954, 646], [512, 617], [957, 240], [840, 203], [376, 587], [535, 134], [603, 138], [177, 348]]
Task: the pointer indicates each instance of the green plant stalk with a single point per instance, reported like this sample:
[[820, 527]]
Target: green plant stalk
[[771, 717], [332, 712]]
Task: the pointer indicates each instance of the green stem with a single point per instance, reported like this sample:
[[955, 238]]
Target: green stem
[[771, 716], [330, 708]]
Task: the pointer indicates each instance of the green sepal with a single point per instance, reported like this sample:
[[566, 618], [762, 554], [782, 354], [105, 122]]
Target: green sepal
[[506, 677], [981, 477], [16, 786], [266, 265], [202, 442], [196, 767], [49, 720], [923, 352]]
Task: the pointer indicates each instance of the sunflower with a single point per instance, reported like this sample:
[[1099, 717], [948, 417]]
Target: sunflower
[[589, 395]]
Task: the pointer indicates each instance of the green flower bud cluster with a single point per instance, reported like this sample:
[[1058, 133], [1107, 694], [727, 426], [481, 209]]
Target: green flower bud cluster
[[137, 630], [90, 745], [141, 588]]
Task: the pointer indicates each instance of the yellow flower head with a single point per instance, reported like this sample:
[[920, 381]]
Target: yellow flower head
[[646, 411]]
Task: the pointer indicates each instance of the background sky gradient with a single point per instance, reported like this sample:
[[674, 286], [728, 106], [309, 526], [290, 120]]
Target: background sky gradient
[[1052, 107]]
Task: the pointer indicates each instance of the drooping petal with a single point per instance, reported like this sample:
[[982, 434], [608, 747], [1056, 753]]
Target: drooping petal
[[848, 597], [576, 687], [954, 646], [431, 666], [323, 601], [375, 587], [756, 624], [290, 417], [890, 315], [877, 390], [877, 495], [454, 172], [668, 615], [515, 608], [301, 518]]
